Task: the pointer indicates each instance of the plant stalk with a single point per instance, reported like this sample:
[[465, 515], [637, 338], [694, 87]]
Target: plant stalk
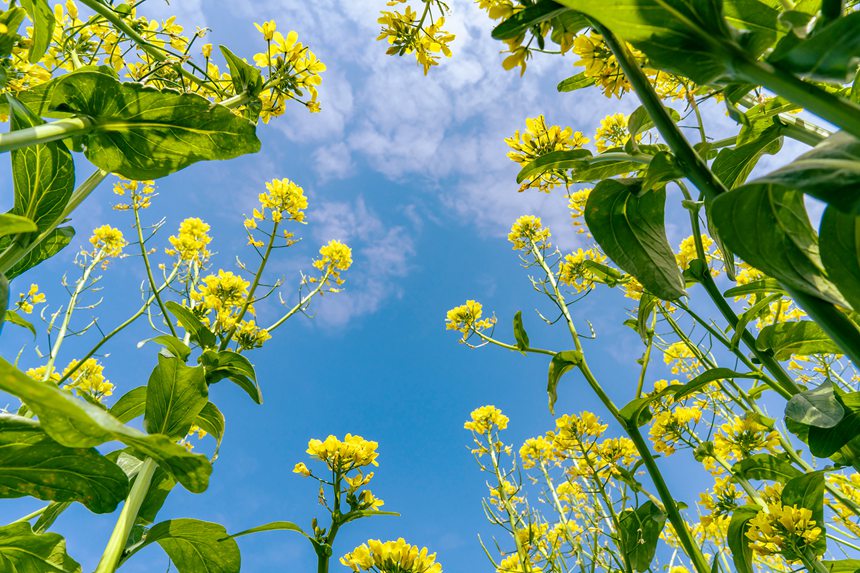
[[60, 129]]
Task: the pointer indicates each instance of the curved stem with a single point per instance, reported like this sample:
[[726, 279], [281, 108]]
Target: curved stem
[[128, 515], [155, 291], [60, 129]]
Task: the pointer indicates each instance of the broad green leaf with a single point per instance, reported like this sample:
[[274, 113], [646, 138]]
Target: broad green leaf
[[79, 424], [762, 117], [840, 252], [171, 344], [160, 487], [246, 78], [842, 566], [640, 121], [273, 526], [759, 21], [141, 132], [520, 334], [195, 546], [12, 19], [11, 224], [522, 21], [768, 227], [54, 242], [43, 174], [788, 338], [733, 165], [830, 171], [574, 83], [234, 367], [564, 159], [737, 538], [13, 317], [824, 441], [818, 407], [602, 273], [212, 421], [640, 532], [42, 15], [130, 405], [662, 169], [765, 467], [751, 314], [762, 286], [22, 551], [631, 231], [848, 455], [637, 412], [709, 376], [192, 325], [175, 394], [50, 515], [560, 363], [31, 463], [831, 53], [807, 491]]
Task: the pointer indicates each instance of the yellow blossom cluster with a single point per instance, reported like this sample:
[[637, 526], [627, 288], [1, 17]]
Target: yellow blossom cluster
[[718, 504], [601, 65], [26, 301], [671, 427], [576, 205], [536, 451], [528, 232], [742, 437], [88, 378], [407, 33], [139, 192], [249, 336], [613, 132], [224, 293], [783, 529], [391, 557], [344, 455], [687, 252], [466, 318], [335, 257], [189, 245], [486, 419], [107, 242], [537, 140], [573, 272], [283, 199], [681, 359]]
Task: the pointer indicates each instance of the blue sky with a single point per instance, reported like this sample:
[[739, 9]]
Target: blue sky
[[411, 172]]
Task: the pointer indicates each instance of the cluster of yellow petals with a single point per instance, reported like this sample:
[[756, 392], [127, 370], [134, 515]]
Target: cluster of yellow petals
[[486, 419], [537, 140], [681, 359], [742, 437], [575, 273], [391, 557], [409, 33], [335, 258], [527, 232], [671, 427], [225, 293], [612, 132], [140, 193], [344, 455], [466, 318], [783, 529], [26, 301], [89, 379], [191, 241], [107, 242], [601, 65], [576, 204]]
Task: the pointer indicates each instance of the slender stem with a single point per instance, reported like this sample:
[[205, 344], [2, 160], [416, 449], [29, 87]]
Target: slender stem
[[128, 515], [30, 516], [506, 502], [60, 129], [301, 304], [646, 358], [506, 346], [155, 291], [833, 322], [67, 317], [828, 106]]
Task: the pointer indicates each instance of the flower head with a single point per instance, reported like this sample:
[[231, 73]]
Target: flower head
[[391, 557], [344, 455], [466, 318], [537, 140], [191, 241], [108, 242], [335, 257], [528, 231], [612, 132], [783, 529], [89, 379], [486, 419]]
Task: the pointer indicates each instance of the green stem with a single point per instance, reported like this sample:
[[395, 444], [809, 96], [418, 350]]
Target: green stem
[[155, 291], [30, 516], [834, 323], [127, 517], [46, 132], [67, 317], [828, 106]]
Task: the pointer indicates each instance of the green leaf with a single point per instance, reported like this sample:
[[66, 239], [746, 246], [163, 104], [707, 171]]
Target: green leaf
[[842, 566], [733, 165], [22, 551], [42, 15], [212, 421], [709, 376], [234, 367], [141, 132], [762, 286], [646, 310], [175, 395], [831, 53], [192, 325], [759, 21], [13, 317], [79, 424], [11, 224], [765, 467], [130, 405], [43, 174], [631, 231], [824, 441], [640, 532], [762, 117], [12, 19], [560, 363], [171, 344], [840, 252], [246, 78], [273, 526], [737, 538], [830, 171], [640, 120], [768, 227], [662, 169], [195, 546], [563, 159], [807, 491], [54, 242], [522, 21], [520, 334], [818, 407], [31, 463], [574, 83], [603, 273], [749, 315], [160, 487], [788, 338], [50, 515]]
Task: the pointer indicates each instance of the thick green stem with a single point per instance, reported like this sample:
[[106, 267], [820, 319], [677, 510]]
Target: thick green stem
[[834, 323], [830, 107], [60, 129], [128, 515]]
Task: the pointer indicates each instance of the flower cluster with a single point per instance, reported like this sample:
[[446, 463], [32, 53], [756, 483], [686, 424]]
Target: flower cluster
[[466, 319], [575, 273], [537, 140], [139, 192], [335, 258], [601, 65], [344, 455], [391, 557], [88, 378], [225, 294], [189, 245], [576, 205], [409, 33], [486, 419], [107, 242], [26, 301], [787, 530], [612, 132], [742, 437], [528, 232]]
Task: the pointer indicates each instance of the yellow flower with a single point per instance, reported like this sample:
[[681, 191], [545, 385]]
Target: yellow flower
[[576, 427], [301, 469], [267, 29], [612, 132], [783, 529], [537, 140], [206, 49], [671, 427], [391, 557], [486, 419], [466, 318], [528, 231], [89, 379], [576, 204], [222, 291], [687, 251], [742, 437], [575, 273], [26, 301], [344, 455], [681, 359], [408, 34], [191, 242], [107, 242], [335, 257], [282, 196], [601, 65], [249, 336], [536, 450], [40, 373]]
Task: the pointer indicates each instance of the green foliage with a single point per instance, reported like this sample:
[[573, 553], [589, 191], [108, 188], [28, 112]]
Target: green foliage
[[22, 551], [175, 395], [840, 252], [830, 53], [558, 366], [765, 467], [786, 339], [737, 539], [818, 407], [42, 15], [640, 532], [195, 328], [54, 242], [234, 367], [520, 334], [194, 546]]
